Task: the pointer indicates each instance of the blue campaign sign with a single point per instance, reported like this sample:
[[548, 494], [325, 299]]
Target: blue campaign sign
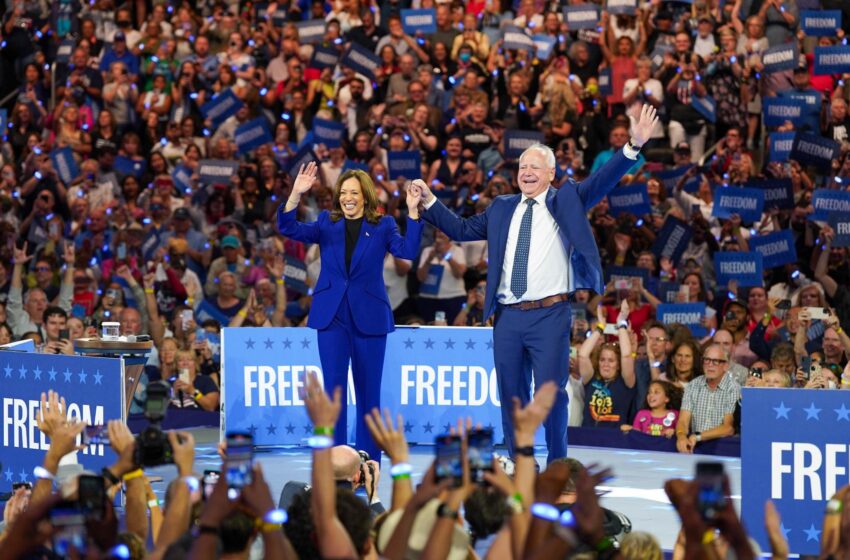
[[781, 57], [832, 60], [793, 452], [812, 149], [581, 16], [324, 57], [632, 199], [295, 274], [544, 45], [421, 21], [516, 141], [354, 165], [605, 87], [4, 122], [669, 177], [360, 59], [657, 55], [329, 133], [65, 164], [303, 156], [705, 106], [673, 239], [628, 7], [222, 106], [127, 166], [777, 110], [311, 31], [820, 23], [432, 376], [515, 38], [840, 224], [613, 271], [182, 177], [776, 248], [217, 171], [407, 164], [252, 135], [745, 268], [65, 50], [747, 203], [278, 17], [688, 314], [778, 193], [92, 388], [781, 144], [825, 201]]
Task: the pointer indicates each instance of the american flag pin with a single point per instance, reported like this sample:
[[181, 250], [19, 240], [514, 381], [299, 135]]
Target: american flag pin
[[367, 234]]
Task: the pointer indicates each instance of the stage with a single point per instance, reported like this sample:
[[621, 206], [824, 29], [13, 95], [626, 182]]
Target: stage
[[636, 489]]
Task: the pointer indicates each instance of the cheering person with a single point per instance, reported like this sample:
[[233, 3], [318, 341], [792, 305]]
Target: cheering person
[[350, 309]]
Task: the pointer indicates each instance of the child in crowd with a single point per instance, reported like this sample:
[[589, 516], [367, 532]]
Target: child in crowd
[[661, 410]]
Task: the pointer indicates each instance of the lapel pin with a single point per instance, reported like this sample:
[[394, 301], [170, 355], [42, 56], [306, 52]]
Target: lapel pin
[[367, 234]]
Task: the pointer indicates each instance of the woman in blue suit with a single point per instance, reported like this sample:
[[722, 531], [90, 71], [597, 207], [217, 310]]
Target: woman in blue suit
[[350, 309]]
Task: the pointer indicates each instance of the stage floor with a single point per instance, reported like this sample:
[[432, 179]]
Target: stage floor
[[636, 489]]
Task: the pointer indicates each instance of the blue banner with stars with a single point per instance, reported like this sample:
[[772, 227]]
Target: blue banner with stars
[[432, 376], [794, 451], [92, 390]]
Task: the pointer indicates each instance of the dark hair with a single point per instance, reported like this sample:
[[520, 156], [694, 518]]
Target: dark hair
[[696, 351], [353, 513], [236, 532], [367, 188], [485, 510], [52, 311], [673, 393], [576, 467]]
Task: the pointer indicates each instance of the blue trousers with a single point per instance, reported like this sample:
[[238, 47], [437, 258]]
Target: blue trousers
[[339, 344], [536, 340]]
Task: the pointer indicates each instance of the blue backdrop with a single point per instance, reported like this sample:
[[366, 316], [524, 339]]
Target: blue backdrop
[[92, 390], [794, 451], [432, 376]]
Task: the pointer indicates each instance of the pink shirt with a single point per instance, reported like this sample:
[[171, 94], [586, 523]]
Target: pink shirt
[[649, 424]]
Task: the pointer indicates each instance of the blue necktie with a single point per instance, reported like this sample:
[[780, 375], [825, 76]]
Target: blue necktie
[[519, 274]]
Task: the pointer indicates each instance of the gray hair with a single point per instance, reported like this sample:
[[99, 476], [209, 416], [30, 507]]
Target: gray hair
[[726, 355], [544, 151]]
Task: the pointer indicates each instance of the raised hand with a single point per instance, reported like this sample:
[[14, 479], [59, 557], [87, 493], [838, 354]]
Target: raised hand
[[322, 410], [20, 255], [424, 189], [642, 130], [389, 438], [527, 419], [305, 178], [414, 197]]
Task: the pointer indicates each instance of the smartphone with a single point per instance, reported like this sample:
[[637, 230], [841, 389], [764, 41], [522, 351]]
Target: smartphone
[[711, 497], [54, 229], [208, 483], [439, 316], [92, 498], [185, 316], [122, 251], [479, 453], [239, 461], [817, 312], [64, 334], [69, 530], [449, 460], [685, 292], [756, 372], [784, 304], [610, 329], [622, 284], [806, 365], [95, 435], [184, 375]]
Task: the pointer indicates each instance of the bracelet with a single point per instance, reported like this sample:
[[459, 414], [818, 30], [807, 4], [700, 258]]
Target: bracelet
[[272, 521], [604, 544], [709, 536], [107, 474], [834, 506], [135, 474], [401, 471], [514, 503], [242, 313], [623, 325], [323, 431], [149, 290], [634, 355], [527, 451], [197, 395], [600, 327], [279, 281], [838, 330], [545, 511], [319, 442]]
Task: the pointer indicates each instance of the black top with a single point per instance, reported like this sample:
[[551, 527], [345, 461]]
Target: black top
[[352, 233]]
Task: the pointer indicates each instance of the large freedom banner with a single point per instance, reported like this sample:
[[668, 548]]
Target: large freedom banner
[[432, 376], [92, 388], [794, 451]]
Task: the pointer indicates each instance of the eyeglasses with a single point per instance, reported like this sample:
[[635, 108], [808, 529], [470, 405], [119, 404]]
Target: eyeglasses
[[713, 361], [658, 338], [42, 269]]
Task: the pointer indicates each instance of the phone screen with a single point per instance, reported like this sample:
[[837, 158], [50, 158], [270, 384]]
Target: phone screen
[[92, 496], [711, 497], [449, 461], [209, 481], [806, 366], [122, 251], [480, 453], [239, 459], [69, 531], [95, 435]]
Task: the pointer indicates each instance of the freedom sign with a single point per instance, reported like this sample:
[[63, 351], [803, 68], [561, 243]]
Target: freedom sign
[[632, 199], [673, 239], [295, 274], [604, 82], [840, 224], [422, 21], [544, 44], [705, 106], [65, 164], [781, 57], [744, 268], [825, 201], [515, 38], [832, 60], [778, 193], [329, 133], [777, 110], [182, 177], [360, 59], [311, 31], [813, 149], [516, 141], [617, 7], [407, 164], [820, 23], [252, 135], [747, 203], [91, 387], [222, 106], [781, 144], [581, 16], [688, 314], [431, 376], [324, 57], [613, 271], [217, 171], [794, 451], [775, 248]]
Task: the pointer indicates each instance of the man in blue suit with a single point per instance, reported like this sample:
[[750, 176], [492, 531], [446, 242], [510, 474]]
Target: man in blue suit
[[540, 249]]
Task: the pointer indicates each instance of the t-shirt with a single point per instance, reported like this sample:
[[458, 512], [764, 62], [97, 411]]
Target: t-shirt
[[649, 424], [607, 404]]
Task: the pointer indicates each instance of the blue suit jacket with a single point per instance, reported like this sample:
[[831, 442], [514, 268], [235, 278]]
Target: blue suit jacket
[[568, 205], [370, 306]]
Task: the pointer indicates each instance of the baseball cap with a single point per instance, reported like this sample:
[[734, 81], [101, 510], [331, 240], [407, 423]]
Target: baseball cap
[[182, 214], [119, 36], [683, 147], [230, 241]]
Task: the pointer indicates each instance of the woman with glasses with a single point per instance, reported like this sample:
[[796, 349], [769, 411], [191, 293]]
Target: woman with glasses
[[608, 373]]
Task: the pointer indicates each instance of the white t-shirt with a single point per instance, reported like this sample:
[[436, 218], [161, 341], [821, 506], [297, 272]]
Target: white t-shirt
[[450, 287]]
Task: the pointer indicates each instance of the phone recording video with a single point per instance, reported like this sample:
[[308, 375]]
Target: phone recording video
[[208, 483], [711, 496], [95, 435], [239, 461], [69, 531], [480, 453], [92, 494], [449, 460]]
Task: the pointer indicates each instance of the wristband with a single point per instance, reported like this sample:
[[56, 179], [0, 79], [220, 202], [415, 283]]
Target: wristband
[[279, 281], [154, 503], [634, 355], [604, 544], [401, 471], [242, 313], [514, 503], [709, 536], [623, 325], [834, 506], [600, 327], [107, 474], [197, 395], [319, 442], [134, 474], [149, 290], [323, 431], [445, 512], [527, 451], [838, 330], [545, 511]]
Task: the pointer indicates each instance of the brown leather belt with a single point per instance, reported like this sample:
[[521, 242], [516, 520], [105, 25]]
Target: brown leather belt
[[538, 303]]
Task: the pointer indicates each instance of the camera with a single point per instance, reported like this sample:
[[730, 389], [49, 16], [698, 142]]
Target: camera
[[364, 465], [152, 445]]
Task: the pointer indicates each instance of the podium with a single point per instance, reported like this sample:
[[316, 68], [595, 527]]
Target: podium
[[134, 355]]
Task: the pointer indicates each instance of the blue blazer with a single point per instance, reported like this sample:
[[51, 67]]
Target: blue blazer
[[568, 205], [370, 306]]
